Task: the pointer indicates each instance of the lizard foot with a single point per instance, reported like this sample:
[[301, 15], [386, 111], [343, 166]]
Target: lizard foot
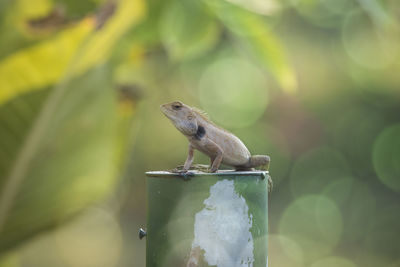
[[179, 171], [185, 174], [213, 170]]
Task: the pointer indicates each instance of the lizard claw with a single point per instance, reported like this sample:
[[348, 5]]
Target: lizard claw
[[213, 170], [185, 174], [179, 171]]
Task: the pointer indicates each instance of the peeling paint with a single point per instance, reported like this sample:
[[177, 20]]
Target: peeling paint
[[222, 229]]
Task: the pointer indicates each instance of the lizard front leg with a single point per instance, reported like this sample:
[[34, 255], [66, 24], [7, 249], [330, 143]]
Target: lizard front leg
[[189, 159], [216, 154]]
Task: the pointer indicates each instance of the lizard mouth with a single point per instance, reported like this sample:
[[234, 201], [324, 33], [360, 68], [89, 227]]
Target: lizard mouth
[[164, 110]]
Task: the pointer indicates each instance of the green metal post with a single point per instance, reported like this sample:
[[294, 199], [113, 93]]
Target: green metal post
[[207, 219]]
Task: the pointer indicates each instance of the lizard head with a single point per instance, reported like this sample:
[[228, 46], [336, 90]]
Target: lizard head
[[182, 116]]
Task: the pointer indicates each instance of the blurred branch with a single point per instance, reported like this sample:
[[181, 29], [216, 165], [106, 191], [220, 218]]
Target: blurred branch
[[105, 12]]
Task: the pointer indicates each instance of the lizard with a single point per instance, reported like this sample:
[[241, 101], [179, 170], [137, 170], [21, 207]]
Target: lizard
[[219, 144]]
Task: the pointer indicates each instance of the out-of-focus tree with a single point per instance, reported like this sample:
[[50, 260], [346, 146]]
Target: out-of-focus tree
[[65, 106], [313, 83], [63, 127]]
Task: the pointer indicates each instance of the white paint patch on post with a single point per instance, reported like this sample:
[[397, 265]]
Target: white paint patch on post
[[222, 229]]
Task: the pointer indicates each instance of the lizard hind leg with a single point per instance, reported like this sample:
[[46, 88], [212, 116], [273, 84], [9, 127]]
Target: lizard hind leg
[[255, 161]]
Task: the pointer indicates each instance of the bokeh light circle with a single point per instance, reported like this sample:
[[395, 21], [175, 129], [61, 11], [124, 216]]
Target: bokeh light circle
[[339, 190], [386, 157], [317, 168], [383, 235], [325, 13], [359, 210], [357, 204], [315, 223], [284, 251], [234, 92], [356, 142], [367, 44], [333, 262]]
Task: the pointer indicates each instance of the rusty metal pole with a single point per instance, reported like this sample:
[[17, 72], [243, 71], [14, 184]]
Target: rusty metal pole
[[207, 219]]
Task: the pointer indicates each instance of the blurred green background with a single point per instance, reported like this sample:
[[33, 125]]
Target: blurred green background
[[315, 84]]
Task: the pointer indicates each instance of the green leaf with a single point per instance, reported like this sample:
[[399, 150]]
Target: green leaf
[[77, 8], [187, 30], [63, 162], [252, 31], [47, 62], [60, 147], [99, 47], [26, 22], [42, 64]]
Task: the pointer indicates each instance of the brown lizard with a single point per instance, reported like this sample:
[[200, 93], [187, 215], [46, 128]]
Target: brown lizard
[[217, 143]]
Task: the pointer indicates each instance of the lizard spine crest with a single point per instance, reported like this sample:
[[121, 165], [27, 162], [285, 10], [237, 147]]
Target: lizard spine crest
[[204, 115]]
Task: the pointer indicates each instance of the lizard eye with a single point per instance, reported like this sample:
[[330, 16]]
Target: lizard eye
[[176, 107]]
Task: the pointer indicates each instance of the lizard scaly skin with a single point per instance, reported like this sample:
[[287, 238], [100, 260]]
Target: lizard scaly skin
[[220, 145]]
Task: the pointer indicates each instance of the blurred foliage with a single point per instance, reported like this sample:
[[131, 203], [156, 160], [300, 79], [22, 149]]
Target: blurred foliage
[[312, 83], [60, 138]]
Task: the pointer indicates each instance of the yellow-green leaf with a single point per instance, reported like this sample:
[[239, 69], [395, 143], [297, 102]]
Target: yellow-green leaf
[[42, 64], [67, 158], [60, 147], [98, 48], [47, 62], [257, 37]]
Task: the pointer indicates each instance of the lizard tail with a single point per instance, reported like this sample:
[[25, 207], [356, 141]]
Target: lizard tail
[[259, 160]]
